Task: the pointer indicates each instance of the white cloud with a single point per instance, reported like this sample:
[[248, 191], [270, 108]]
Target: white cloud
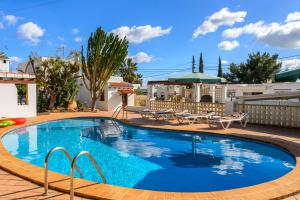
[[290, 64], [142, 57], [49, 43], [10, 19], [286, 35], [295, 16], [228, 45], [78, 39], [75, 31], [224, 62], [221, 18], [15, 59], [60, 38], [30, 32], [139, 34], [236, 32]]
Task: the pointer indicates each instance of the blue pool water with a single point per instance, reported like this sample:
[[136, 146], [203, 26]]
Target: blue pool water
[[149, 158]]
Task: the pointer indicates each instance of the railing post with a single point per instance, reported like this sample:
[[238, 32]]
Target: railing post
[[72, 170]]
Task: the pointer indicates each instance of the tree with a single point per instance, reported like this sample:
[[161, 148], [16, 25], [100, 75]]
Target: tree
[[193, 65], [220, 73], [258, 69], [105, 54], [2, 55], [53, 76], [201, 64], [128, 71]]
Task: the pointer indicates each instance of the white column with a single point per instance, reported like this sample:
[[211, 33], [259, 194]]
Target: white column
[[224, 93], [150, 92], [212, 91], [197, 92], [166, 92]]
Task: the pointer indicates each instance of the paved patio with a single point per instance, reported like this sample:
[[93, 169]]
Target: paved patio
[[14, 187]]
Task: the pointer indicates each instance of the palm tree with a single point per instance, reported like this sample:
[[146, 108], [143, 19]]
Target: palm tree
[[128, 71], [105, 54]]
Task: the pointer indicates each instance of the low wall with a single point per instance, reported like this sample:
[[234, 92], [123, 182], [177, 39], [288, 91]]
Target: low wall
[[192, 107], [277, 115]]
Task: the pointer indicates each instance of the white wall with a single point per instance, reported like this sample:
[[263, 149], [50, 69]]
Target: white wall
[[130, 99], [113, 98], [9, 101], [84, 97], [267, 88], [4, 65]]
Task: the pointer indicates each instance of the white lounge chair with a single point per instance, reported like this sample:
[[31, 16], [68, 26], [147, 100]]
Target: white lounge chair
[[227, 120], [146, 113], [192, 118], [184, 112], [165, 114]]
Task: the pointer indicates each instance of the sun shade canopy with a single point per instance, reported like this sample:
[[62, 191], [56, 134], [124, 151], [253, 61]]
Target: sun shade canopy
[[197, 78]]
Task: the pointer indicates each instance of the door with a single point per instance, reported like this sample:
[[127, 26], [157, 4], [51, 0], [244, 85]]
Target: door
[[124, 100]]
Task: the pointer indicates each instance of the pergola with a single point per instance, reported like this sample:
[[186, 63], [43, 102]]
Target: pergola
[[197, 81]]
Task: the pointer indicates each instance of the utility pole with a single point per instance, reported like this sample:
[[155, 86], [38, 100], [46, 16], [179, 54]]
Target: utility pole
[[61, 49]]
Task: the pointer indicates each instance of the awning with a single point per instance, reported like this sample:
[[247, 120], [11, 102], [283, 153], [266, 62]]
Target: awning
[[126, 91], [197, 78], [288, 76], [120, 84]]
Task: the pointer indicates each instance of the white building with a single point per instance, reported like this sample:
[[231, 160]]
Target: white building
[[117, 93], [238, 90], [4, 65], [18, 95]]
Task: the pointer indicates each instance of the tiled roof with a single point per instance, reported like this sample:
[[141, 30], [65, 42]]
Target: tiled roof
[[121, 84]]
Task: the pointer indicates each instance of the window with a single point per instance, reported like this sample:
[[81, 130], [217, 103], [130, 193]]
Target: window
[[230, 94], [251, 93], [102, 97], [22, 90]]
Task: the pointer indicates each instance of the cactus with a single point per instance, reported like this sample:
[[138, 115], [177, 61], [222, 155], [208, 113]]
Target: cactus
[[105, 54]]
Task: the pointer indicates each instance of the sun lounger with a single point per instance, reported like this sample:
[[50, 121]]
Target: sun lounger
[[184, 112], [192, 118], [165, 114], [146, 113], [227, 120]]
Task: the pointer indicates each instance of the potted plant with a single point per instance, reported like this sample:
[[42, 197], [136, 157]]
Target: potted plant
[[72, 92]]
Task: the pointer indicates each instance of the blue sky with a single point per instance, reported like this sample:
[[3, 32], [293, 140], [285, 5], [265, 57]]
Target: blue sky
[[163, 34]]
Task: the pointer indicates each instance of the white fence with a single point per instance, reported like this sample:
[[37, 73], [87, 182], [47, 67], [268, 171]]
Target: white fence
[[277, 115]]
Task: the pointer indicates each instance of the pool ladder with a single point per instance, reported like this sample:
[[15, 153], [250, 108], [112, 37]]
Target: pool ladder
[[73, 165], [117, 112]]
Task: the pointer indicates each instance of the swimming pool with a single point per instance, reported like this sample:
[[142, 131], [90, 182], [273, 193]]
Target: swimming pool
[[150, 158]]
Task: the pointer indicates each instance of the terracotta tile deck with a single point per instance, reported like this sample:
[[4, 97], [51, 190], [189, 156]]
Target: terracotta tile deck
[[18, 187]]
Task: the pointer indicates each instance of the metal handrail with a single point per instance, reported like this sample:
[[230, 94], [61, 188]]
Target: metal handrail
[[46, 184], [117, 111], [74, 165]]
